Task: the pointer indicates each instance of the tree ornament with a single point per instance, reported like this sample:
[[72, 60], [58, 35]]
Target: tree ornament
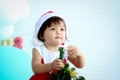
[[66, 73]]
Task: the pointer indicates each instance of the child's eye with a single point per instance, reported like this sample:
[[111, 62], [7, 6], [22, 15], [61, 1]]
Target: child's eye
[[62, 29], [52, 28]]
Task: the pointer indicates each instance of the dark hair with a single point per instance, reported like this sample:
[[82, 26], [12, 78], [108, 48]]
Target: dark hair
[[47, 23]]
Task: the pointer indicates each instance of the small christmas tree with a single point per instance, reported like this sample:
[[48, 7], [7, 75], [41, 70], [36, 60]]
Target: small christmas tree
[[66, 73]]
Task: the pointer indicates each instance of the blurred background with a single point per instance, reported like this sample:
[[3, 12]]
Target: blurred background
[[92, 25]]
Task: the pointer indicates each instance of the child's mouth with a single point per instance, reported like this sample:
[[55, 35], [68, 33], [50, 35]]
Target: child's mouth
[[57, 37]]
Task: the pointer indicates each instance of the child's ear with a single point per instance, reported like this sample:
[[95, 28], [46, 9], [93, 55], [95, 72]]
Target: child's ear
[[41, 37]]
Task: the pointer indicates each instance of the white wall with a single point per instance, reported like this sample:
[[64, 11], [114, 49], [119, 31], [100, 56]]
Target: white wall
[[93, 26]]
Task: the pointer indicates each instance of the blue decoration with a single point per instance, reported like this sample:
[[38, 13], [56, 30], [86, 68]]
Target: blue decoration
[[15, 64]]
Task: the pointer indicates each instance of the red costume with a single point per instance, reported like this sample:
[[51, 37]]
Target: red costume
[[42, 76]]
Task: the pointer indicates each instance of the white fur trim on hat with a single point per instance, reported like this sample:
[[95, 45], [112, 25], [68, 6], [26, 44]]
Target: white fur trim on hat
[[42, 19]]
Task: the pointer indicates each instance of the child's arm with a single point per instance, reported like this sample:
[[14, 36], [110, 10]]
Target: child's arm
[[38, 67], [75, 56]]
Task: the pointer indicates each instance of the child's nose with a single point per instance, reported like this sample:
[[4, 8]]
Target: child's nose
[[58, 31]]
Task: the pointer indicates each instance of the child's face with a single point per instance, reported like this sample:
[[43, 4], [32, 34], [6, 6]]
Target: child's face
[[55, 34]]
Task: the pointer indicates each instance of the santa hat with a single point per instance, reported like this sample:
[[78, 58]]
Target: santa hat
[[42, 19]]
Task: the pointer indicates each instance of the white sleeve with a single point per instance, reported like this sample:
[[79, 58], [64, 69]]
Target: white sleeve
[[66, 55], [39, 49]]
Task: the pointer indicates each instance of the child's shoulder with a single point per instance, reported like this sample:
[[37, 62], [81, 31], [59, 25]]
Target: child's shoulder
[[39, 46]]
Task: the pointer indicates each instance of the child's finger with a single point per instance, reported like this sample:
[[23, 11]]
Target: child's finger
[[70, 47]]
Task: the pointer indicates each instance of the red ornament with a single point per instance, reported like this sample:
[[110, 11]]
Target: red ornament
[[62, 44]]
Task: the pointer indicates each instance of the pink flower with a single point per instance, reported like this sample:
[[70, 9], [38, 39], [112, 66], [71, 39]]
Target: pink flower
[[18, 46], [18, 42]]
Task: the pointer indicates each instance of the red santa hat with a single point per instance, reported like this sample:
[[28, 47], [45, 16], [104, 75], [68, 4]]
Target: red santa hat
[[42, 19]]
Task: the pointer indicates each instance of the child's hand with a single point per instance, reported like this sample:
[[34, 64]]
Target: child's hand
[[57, 64], [72, 50]]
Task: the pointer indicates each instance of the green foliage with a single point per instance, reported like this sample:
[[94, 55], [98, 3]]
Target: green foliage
[[66, 73], [62, 50]]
